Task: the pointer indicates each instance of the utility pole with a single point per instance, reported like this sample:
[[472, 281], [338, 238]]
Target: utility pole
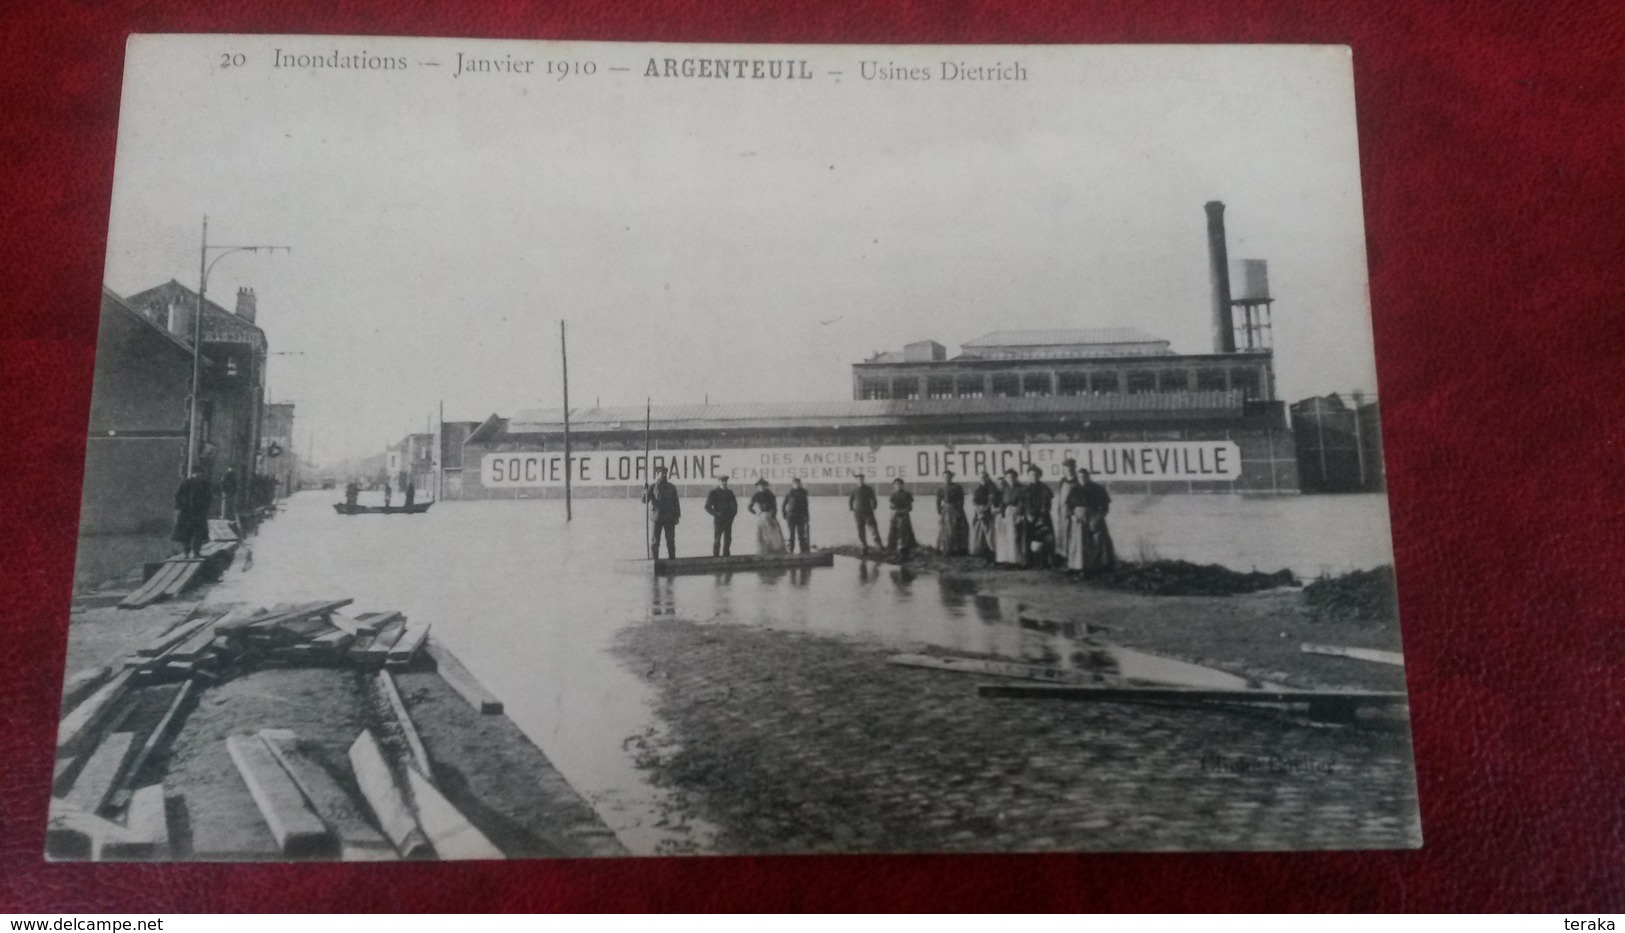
[[204, 266], [440, 455], [565, 356], [648, 474]]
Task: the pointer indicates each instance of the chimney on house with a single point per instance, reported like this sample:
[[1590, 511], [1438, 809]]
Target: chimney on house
[[178, 317], [245, 304]]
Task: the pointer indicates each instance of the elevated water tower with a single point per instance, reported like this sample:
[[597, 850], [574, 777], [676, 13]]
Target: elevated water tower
[[1251, 305]]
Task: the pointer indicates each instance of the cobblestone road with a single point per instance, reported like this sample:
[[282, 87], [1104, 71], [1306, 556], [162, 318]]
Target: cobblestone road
[[799, 743]]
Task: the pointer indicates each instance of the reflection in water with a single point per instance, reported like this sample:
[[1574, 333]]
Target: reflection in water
[[533, 603]]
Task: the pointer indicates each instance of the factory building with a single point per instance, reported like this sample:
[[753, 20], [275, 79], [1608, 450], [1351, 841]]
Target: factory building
[[1123, 403]]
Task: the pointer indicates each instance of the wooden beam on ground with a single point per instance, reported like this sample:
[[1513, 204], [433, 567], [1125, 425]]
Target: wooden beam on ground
[[98, 779], [386, 800], [298, 832], [397, 706], [197, 647], [407, 646], [73, 835], [278, 616], [738, 563], [75, 730], [185, 579], [451, 834], [81, 685], [459, 679], [146, 829], [160, 732], [1332, 706], [993, 668], [344, 816], [1114, 694], [1359, 654], [369, 623], [153, 590], [376, 650], [174, 636]]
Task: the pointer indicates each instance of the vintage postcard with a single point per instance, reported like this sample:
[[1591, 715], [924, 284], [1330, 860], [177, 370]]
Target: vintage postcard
[[509, 449]]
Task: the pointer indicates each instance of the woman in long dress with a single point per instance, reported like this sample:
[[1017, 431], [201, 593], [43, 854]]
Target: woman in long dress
[[986, 500], [765, 505], [953, 532], [1005, 550], [900, 538], [1066, 528]]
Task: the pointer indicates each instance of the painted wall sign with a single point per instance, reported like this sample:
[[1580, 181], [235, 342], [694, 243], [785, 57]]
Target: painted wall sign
[[1141, 461]]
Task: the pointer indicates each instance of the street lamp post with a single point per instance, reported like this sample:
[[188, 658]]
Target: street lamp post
[[204, 267]]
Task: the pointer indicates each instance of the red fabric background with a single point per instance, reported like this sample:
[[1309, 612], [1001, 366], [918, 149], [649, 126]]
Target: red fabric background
[[1491, 144]]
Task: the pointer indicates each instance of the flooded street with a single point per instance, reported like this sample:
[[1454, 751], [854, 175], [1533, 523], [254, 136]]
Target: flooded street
[[533, 605]]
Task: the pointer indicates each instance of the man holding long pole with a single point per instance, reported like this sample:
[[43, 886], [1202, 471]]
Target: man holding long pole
[[665, 510]]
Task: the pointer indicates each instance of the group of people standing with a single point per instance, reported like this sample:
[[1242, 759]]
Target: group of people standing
[[197, 499], [1015, 523], [666, 509], [1027, 524]]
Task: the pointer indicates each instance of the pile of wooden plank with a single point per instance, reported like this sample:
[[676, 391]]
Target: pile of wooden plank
[[179, 574], [310, 634], [98, 812], [400, 811]]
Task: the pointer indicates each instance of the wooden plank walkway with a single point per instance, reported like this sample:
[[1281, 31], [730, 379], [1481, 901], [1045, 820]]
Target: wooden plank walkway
[[459, 679], [1324, 705], [1358, 654], [740, 562]]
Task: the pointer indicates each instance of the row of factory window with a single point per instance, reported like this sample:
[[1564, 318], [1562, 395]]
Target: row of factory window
[[1040, 384]]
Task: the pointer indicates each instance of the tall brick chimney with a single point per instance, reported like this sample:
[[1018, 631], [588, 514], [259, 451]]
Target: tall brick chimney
[[1224, 333], [245, 304]]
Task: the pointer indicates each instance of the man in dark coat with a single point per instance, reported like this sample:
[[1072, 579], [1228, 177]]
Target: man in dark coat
[[862, 503], [796, 514], [953, 535], [722, 505], [1089, 503], [411, 492], [901, 536], [664, 512], [1037, 499], [192, 501]]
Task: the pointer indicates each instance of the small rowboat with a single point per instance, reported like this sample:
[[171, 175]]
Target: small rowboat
[[415, 508]]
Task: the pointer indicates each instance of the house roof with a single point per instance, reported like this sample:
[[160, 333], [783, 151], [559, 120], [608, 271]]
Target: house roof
[[1063, 337], [218, 323], [111, 299], [866, 413]]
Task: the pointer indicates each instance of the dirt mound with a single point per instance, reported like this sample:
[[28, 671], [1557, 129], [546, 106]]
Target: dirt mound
[[1364, 597], [1183, 578]]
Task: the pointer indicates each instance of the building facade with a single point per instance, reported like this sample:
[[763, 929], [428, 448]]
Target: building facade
[[1195, 442], [278, 458], [135, 451], [1076, 362], [231, 385], [1339, 444]]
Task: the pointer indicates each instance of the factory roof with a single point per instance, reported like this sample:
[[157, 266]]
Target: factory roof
[[870, 413], [1062, 337]]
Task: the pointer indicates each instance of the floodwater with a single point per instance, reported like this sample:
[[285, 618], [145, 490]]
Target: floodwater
[[532, 604]]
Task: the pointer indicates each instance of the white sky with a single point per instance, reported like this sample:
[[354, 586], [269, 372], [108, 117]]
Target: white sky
[[697, 234]]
